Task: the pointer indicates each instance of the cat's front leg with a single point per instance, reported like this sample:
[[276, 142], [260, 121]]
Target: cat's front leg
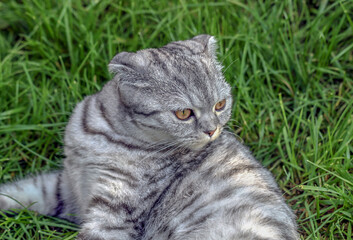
[[108, 219], [105, 230], [111, 209]]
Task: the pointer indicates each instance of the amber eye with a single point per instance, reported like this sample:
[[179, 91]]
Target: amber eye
[[220, 105], [183, 114]]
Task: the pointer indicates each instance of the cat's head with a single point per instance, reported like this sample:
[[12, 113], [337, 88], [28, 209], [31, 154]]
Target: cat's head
[[175, 94]]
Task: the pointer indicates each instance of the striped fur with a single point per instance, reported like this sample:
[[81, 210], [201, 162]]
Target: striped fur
[[133, 170]]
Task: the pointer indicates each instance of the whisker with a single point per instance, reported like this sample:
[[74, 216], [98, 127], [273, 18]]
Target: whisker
[[231, 131], [224, 71], [233, 120], [164, 146]]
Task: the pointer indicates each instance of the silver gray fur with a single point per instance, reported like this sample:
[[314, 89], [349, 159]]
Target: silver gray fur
[[133, 170]]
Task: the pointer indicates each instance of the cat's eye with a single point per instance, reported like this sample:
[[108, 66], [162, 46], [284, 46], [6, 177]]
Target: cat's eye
[[183, 114], [220, 105]]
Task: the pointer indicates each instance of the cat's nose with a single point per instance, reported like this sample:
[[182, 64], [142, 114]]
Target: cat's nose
[[210, 133]]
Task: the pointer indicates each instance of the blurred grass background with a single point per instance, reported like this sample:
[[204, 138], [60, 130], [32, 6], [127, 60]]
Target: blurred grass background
[[290, 64]]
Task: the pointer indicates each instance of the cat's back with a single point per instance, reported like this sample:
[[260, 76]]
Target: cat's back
[[230, 193]]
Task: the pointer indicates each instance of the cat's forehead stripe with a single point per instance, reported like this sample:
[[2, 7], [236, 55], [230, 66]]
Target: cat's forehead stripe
[[160, 62], [182, 47], [191, 75]]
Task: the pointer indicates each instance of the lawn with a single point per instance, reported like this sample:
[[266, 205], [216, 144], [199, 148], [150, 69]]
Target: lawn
[[290, 64]]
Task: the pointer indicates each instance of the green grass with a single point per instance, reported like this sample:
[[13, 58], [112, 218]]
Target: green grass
[[290, 64]]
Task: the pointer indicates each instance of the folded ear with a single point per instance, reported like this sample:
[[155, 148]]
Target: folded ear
[[200, 44], [127, 62], [208, 43]]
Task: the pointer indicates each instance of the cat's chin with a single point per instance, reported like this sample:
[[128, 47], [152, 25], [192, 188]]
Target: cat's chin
[[198, 146]]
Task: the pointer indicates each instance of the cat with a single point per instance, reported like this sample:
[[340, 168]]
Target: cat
[[147, 157]]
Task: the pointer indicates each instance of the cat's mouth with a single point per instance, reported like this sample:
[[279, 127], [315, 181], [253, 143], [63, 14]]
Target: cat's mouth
[[205, 139], [215, 134]]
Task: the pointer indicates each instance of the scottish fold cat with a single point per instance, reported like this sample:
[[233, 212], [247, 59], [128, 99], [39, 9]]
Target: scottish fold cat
[[147, 157]]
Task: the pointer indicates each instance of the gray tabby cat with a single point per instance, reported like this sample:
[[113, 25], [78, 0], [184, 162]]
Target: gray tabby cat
[[146, 157]]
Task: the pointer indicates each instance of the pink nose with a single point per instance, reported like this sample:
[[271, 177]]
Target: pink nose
[[210, 133]]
